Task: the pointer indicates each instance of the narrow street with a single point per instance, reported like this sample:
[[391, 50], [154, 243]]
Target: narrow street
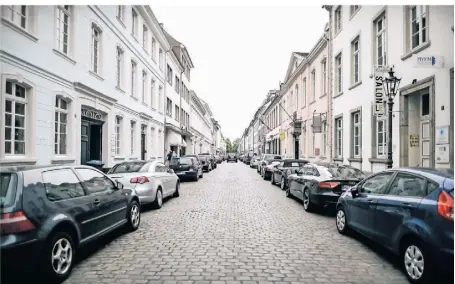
[[234, 227]]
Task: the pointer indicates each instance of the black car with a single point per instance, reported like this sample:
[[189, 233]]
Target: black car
[[266, 171], [49, 212], [284, 169], [319, 185], [187, 168], [211, 158], [231, 157], [206, 163]]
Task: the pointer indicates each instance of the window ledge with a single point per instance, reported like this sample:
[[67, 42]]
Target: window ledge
[[119, 158], [378, 160], [152, 108], [62, 160], [358, 160], [338, 32], [312, 102], [64, 56], [135, 38], [145, 50], [416, 50], [121, 22], [134, 98], [14, 161], [355, 85], [96, 75], [338, 159], [20, 30], [337, 95], [133, 158], [323, 95], [353, 14], [119, 89], [160, 112], [144, 104]]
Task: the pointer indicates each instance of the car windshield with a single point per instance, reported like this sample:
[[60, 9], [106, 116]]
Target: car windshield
[[185, 161], [8, 183], [130, 168], [346, 172]]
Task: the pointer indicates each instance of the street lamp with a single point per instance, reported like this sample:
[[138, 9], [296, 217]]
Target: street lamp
[[390, 86]]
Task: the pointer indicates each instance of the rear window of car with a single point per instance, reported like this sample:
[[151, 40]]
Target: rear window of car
[[294, 164], [185, 161], [130, 168], [346, 172], [8, 183]]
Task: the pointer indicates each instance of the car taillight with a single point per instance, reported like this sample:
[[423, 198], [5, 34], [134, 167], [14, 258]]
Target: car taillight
[[140, 180], [15, 222], [445, 205], [328, 184]]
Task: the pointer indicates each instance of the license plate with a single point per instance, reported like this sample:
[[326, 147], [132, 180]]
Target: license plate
[[345, 187], [179, 174]]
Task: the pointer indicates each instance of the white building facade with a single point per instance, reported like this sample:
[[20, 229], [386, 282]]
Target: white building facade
[[200, 126], [418, 42], [81, 83]]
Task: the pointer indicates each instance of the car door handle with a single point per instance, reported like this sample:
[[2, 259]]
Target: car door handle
[[407, 205], [96, 202], [370, 201]]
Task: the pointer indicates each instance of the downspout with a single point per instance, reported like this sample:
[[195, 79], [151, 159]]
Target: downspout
[[329, 85]]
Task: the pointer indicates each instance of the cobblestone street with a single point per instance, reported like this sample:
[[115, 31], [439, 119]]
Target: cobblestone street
[[234, 227]]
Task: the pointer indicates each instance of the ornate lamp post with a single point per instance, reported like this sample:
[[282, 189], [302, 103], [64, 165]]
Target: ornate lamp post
[[390, 86]]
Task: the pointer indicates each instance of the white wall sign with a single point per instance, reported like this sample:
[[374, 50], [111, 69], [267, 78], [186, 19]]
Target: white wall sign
[[442, 135], [442, 153], [379, 97], [428, 61]]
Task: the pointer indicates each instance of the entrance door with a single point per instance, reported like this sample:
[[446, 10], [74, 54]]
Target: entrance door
[[425, 129], [85, 138], [143, 151], [296, 149]]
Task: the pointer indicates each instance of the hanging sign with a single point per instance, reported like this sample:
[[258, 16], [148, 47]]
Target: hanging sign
[[379, 96]]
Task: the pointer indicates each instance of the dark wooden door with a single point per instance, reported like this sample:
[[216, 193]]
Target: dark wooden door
[[296, 149], [85, 142], [143, 151]]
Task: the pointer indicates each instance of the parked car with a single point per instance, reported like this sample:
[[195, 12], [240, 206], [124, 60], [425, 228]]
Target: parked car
[[49, 212], [187, 168], [152, 180], [284, 169], [211, 158], [319, 185], [249, 156], [267, 170], [231, 157], [264, 159], [410, 211], [206, 164], [254, 162]]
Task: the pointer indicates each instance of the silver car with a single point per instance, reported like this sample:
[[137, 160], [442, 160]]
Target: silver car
[[152, 180]]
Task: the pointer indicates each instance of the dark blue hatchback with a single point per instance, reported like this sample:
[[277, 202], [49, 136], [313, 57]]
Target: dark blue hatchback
[[410, 212]]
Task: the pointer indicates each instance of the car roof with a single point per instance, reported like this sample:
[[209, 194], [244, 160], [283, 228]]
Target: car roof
[[294, 160], [437, 174], [26, 168]]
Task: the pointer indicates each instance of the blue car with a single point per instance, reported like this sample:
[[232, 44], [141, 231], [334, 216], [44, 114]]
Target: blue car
[[410, 212]]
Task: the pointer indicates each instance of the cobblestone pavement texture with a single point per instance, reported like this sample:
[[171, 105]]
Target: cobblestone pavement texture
[[233, 227]]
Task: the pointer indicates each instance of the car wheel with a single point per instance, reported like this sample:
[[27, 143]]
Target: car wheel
[[134, 216], [272, 179], [283, 184], [202, 174], [341, 221], [59, 256], [264, 176], [307, 205], [158, 203], [416, 262], [177, 189]]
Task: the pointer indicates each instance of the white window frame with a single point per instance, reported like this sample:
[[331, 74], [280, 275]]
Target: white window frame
[[356, 148], [152, 93], [120, 11], [17, 14], [119, 71], [304, 92], [57, 132], [133, 77], [313, 85], [353, 9], [61, 12], [382, 145], [15, 100], [144, 86], [160, 98], [95, 49], [339, 74], [145, 32], [339, 137], [177, 112], [118, 134], [161, 55], [153, 48], [338, 19], [421, 13], [132, 134], [324, 76], [355, 61], [134, 21], [381, 40]]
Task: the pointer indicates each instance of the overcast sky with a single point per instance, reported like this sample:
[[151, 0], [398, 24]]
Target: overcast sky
[[240, 53]]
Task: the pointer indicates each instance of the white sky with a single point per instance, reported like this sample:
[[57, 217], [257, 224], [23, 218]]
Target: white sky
[[240, 52]]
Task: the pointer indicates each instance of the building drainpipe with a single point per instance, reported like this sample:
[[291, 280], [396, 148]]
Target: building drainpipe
[[164, 104], [180, 113], [329, 87]]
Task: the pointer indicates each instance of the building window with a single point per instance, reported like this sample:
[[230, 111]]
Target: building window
[[161, 57], [354, 9], [339, 74], [132, 133], [169, 75], [356, 134], [338, 20], [16, 14], [177, 113], [355, 61], [339, 137], [133, 77], [63, 34], [324, 77], [153, 48], [119, 67], [160, 99], [152, 93], [324, 137], [380, 41], [304, 92], [133, 22], [120, 13], [169, 107], [313, 85], [144, 85], [118, 127], [381, 138], [177, 84], [418, 16], [145, 37], [96, 37], [15, 118], [61, 120]]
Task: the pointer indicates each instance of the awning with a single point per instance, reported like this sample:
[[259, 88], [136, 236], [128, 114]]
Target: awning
[[174, 139]]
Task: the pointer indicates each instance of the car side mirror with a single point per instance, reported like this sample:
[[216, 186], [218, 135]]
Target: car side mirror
[[119, 185], [354, 191]]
